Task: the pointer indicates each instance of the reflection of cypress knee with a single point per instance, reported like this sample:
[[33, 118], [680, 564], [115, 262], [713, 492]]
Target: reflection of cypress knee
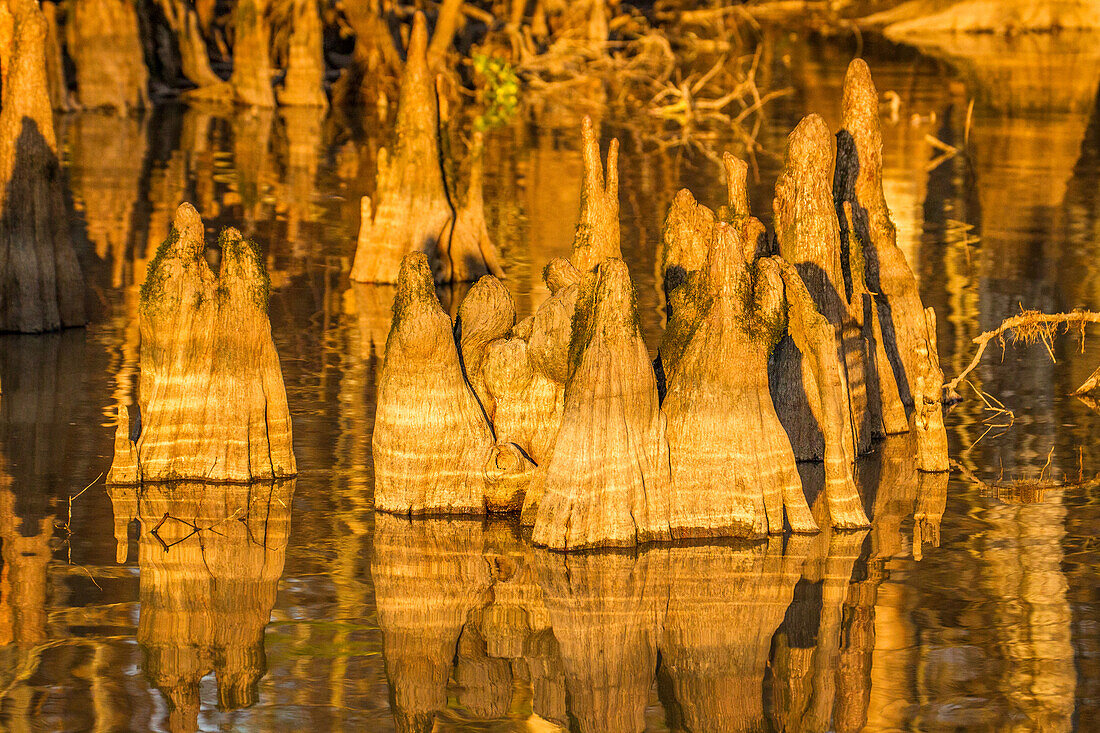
[[428, 575], [206, 593], [607, 481], [604, 610], [212, 405], [41, 286], [724, 606]]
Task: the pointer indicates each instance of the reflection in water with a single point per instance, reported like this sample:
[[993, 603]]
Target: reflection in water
[[452, 625], [210, 558], [734, 636]]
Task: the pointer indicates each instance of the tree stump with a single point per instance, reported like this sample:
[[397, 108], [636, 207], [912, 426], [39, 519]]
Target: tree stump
[[212, 405]]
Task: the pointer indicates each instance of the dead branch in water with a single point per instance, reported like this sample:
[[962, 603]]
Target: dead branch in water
[[1029, 327]]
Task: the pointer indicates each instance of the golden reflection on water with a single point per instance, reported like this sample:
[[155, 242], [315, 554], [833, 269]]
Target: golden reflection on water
[[297, 607]]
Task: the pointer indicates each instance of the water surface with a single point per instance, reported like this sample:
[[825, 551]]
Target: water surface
[[294, 606]]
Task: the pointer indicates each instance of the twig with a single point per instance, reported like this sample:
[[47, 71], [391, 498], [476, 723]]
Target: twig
[[1029, 326]]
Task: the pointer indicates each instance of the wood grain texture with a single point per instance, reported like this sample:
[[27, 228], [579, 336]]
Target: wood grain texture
[[809, 239], [486, 314], [905, 342], [733, 470], [212, 405], [607, 481], [431, 439], [41, 285]]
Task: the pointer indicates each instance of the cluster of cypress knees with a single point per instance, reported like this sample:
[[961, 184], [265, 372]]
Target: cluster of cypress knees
[[803, 344]]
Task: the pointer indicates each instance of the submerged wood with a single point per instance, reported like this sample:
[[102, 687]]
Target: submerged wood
[[211, 403], [104, 42], [607, 480], [210, 559], [41, 285], [809, 239], [412, 211], [905, 345]]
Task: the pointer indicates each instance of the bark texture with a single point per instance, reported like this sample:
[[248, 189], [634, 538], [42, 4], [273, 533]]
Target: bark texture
[[434, 450], [597, 236], [104, 41], [607, 480], [905, 345], [212, 405], [733, 470], [41, 285], [809, 238], [487, 313]]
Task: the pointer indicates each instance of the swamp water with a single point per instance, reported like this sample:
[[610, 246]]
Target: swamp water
[[295, 607]]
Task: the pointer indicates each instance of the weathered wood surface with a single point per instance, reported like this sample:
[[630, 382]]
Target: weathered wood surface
[[905, 343], [41, 284], [733, 470], [607, 480], [211, 405], [431, 439], [809, 239]]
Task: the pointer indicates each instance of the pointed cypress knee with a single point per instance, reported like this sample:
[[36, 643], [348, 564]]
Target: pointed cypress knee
[[809, 239], [211, 404], [607, 481]]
